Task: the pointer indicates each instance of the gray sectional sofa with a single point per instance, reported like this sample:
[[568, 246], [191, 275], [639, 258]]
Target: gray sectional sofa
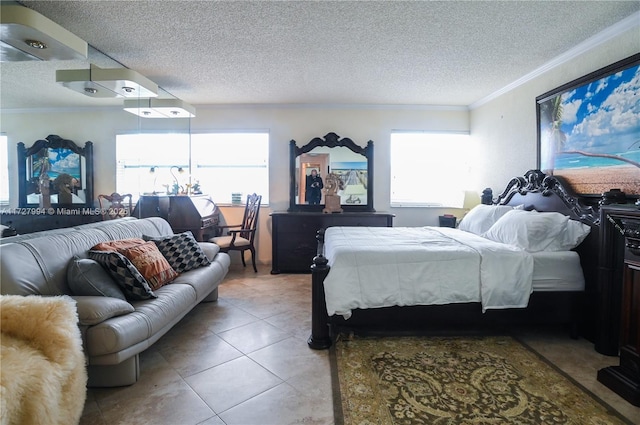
[[114, 330]]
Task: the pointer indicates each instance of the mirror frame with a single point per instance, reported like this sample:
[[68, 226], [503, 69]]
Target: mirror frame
[[55, 142], [331, 140]]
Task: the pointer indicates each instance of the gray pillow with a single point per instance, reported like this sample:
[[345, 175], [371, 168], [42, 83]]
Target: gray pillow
[[88, 277], [94, 310]]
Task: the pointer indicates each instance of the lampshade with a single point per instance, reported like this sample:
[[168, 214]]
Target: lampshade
[[471, 199], [111, 82], [160, 108], [27, 35]]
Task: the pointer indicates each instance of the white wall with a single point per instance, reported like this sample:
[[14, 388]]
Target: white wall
[[283, 124], [506, 127]]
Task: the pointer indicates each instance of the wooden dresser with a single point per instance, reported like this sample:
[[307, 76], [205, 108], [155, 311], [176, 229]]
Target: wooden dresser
[[619, 315], [294, 235]]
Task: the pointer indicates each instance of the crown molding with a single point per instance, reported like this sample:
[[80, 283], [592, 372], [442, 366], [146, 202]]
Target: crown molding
[[358, 106], [628, 23]]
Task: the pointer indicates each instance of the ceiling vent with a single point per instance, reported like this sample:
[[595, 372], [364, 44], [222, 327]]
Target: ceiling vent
[[27, 35]]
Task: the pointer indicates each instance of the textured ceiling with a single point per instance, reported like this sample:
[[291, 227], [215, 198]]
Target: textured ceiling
[[314, 52]]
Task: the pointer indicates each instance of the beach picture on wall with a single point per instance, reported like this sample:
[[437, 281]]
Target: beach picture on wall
[[56, 161], [589, 130]]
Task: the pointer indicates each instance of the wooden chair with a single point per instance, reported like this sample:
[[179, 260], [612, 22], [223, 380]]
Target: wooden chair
[[115, 205], [243, 238]]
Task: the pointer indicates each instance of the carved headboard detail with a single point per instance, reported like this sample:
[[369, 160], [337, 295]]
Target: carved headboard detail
[[520, 189]]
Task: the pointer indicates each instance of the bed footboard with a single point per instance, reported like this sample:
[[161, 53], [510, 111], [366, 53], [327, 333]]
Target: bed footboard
[[320, 338]]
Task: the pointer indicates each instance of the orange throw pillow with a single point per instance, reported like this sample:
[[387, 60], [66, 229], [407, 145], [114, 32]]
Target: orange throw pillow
[[117, 245], [150, 262]]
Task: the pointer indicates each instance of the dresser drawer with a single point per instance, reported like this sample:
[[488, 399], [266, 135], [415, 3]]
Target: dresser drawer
[[294, 241], [295, 224]]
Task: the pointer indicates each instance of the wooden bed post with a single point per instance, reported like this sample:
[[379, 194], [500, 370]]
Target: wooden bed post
[[319, 338]]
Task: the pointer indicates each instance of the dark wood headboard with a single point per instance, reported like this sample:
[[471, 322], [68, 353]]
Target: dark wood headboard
[[546, 193], [542, 192]]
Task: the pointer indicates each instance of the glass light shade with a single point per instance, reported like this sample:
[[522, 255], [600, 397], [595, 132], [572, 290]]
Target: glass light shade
[[111, 82], [160, 108]]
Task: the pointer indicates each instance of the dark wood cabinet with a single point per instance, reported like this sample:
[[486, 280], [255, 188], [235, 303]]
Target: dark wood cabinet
[[294, 235], [152, 206], [197, 213], [620, 302]]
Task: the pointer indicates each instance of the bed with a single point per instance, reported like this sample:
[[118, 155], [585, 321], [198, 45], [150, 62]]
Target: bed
[[528, 258]]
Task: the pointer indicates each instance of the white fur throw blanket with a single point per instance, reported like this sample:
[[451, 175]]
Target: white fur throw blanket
[[43, 376]]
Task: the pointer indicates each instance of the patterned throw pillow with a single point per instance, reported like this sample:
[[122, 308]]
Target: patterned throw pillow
[[117, 244], [182, 251], [133, 284], [150, 263]]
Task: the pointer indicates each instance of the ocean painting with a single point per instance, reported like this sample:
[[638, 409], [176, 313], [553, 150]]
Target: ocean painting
[[589, 133], [56, 161]]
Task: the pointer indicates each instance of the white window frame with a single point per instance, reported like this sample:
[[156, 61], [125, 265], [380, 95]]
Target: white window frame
[[429, 169]]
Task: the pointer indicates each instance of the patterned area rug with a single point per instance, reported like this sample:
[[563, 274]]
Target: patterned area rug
[[447, 381]]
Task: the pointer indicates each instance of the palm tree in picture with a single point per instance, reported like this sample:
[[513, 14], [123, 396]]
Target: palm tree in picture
[[554, 138]]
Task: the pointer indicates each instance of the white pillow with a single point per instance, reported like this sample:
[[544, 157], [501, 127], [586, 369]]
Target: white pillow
[[575, 234], [538, 231], [482, 217]]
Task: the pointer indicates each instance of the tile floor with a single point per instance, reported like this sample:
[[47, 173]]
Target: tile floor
[[244, 360]]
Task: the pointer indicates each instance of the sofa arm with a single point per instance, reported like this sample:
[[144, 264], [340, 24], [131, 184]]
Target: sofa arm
[[210, 249], [93, 310]]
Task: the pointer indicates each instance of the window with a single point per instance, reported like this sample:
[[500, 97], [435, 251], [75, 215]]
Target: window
[[138, 154], [231, 163], [429, 169], [4, 171], [222, 164]]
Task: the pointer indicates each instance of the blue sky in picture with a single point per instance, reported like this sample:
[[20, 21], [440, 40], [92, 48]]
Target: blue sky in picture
[[602, 117], [64, 161]]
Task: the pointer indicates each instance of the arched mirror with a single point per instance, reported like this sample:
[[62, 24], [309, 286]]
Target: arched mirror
[[56, 172], [351, 163]]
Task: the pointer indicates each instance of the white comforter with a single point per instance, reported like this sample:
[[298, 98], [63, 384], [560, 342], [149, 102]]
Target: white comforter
[[397, 266]]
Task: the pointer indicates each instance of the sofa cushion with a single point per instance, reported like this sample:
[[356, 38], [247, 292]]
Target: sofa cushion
[[94, 310], [148, 259], [133, 284], [150, 319], [88, 277], [210, 249], [182, 251], [200, 279]]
